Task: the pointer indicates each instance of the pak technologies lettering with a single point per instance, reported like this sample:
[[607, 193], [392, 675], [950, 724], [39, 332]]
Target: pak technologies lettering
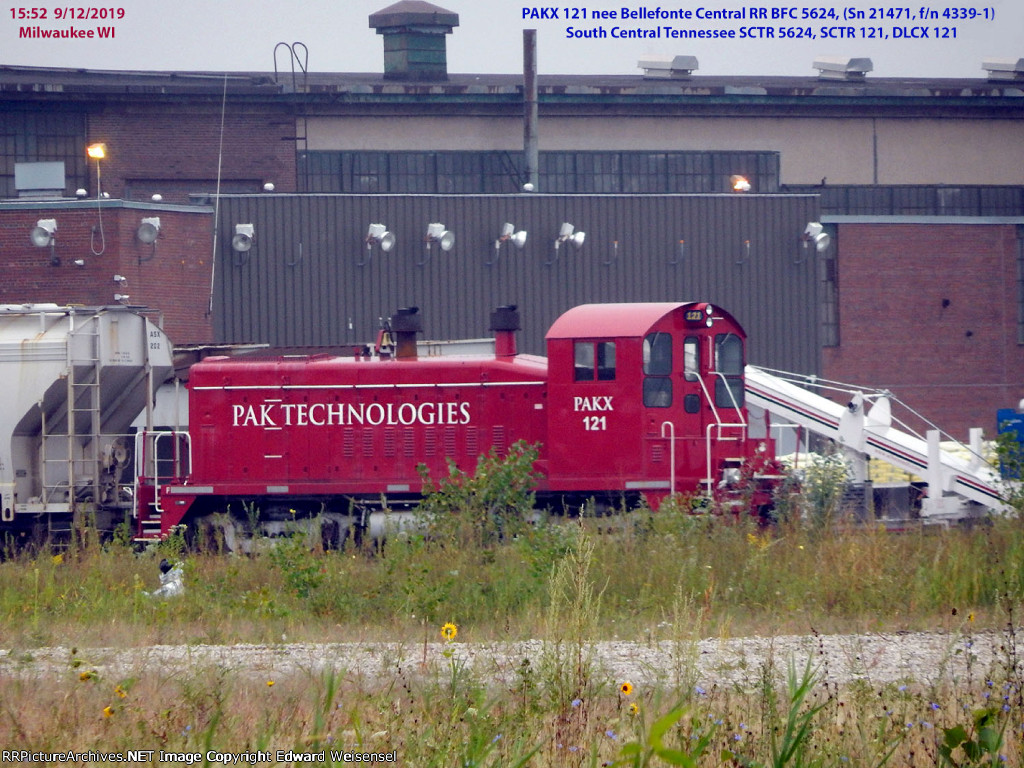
[[276, 414]]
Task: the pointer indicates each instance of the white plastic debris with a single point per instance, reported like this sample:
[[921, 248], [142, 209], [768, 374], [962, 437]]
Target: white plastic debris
[[172, 581]]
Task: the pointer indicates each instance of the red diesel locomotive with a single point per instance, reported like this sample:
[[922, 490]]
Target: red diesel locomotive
[[632, 400]]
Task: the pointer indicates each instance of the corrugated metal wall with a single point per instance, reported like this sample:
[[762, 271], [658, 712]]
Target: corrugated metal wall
[[310, 280]]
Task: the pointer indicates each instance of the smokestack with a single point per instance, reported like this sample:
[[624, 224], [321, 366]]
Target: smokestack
[[414, 39], [405, 324], [505, 323]]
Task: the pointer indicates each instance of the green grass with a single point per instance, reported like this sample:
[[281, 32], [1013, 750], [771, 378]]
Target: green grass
[[655, 577]]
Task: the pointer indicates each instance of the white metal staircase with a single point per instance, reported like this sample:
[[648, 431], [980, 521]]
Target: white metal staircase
[[956, 488]]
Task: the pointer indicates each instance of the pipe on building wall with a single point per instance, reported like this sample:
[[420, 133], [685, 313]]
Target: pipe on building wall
[[530, 148]]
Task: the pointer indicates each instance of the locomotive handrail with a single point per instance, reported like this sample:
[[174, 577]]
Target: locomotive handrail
[[142, 474], [671, 455]]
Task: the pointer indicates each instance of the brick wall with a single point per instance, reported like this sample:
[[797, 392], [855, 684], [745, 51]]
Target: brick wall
[[174, 279], [930, 312], [173, 149]]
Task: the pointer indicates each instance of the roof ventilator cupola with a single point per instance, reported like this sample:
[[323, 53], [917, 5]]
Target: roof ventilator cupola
[[668, 67], [1004, 69], [414, 40], [842, 68]]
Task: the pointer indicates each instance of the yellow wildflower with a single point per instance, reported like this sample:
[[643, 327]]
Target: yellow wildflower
[[626, 689], [58, 558], [108, 711], [449, 631], [121, 693], [270, 683], [634, 709]]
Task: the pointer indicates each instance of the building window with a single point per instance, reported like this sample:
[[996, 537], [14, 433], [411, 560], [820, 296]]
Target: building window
[[498, 171], [828, 293], [51, 136]]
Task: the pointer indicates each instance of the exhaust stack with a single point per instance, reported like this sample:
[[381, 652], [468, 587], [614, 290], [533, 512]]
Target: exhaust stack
[[505, 323], [405, 324]]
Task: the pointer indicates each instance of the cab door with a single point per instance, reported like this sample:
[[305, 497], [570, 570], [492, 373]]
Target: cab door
[[592, 423]]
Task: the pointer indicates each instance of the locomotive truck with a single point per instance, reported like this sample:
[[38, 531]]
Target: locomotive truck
[[632, 401]]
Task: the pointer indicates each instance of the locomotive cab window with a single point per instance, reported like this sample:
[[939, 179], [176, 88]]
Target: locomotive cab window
[[691, 358], [729, 366], [657, 359], [594, 361]]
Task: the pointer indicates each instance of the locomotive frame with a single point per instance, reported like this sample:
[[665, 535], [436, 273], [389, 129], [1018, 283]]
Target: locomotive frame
[[633, 401]]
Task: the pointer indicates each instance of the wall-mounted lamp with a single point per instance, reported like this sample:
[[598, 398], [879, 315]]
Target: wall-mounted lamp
[[567, 235], [508, 235], [681, 253], [98, 152], [746, 253], [121, 298], [44, 235], [243, 239], [120, 280], [377, 234], [814, 234], [147, 233], [437, 233], [739, 183]]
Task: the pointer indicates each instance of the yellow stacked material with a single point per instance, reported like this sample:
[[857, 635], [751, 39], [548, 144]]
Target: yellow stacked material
[[880, 471]]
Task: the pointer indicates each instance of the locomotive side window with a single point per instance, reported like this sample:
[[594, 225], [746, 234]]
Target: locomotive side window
[[606, 361], [691, 358], [658, 354], [729, 366], [583, 356], [657, 357], [594, 360]]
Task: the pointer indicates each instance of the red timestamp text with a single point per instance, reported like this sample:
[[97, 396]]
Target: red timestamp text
[[68, 13]]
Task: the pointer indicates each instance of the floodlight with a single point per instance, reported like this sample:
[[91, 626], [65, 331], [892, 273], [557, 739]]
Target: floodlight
[[242, 241], [436, 233], [377, 234], [814, 233], [43, 233], [96, 151], [149, 230], [509, 235], [567, 234], [739, 183]]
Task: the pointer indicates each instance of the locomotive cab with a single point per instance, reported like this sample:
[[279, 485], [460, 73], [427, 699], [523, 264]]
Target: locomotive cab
[[648, 399]]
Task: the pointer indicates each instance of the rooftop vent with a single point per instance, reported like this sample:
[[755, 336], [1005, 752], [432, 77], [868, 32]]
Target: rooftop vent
[[414, 39], [839, 68], [1004, 69], [665, 67]]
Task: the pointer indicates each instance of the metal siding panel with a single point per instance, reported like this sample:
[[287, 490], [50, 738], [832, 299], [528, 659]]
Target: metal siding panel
[[337, 280]]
